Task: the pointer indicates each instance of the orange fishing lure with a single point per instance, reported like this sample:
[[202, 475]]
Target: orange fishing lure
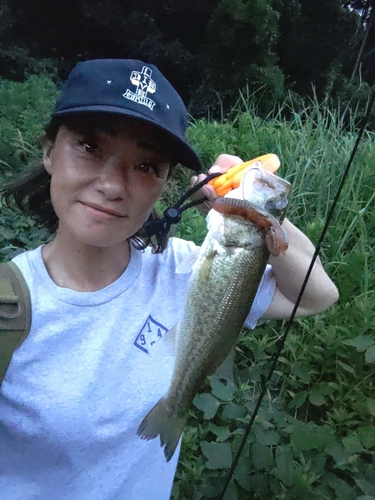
[[232, 177]]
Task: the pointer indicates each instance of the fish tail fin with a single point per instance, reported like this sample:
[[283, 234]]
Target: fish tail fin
[[160, 421]]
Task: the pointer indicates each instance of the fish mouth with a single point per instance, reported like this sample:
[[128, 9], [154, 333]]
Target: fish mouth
[[272, 181], [277, 206], [266, 189]]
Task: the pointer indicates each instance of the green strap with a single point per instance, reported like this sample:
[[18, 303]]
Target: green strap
[[15, 313]]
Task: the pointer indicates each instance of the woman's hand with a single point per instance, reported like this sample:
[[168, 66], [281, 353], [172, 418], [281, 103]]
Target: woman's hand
[[222, 163]]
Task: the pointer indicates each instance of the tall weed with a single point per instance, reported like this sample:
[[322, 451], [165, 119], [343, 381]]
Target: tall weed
[[314, 436], [24, 111]]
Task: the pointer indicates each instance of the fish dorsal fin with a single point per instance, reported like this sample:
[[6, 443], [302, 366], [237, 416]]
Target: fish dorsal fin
[[186, 266]]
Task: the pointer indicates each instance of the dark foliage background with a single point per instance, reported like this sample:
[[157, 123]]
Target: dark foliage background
[[209, 49]]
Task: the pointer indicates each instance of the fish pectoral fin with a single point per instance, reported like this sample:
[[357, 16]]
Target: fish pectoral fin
[[256, 242], [187, 264], [166, 343]]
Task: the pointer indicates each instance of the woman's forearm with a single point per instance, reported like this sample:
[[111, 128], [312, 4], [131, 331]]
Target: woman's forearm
[[290, 270]]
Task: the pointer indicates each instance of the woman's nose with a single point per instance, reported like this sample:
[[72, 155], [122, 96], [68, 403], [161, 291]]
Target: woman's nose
[[113, 180]]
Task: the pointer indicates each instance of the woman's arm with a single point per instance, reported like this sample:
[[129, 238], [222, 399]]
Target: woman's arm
[[290, 270]]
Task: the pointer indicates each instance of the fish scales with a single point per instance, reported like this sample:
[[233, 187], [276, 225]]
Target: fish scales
[[208, 315], [206, 344], [221, 289]]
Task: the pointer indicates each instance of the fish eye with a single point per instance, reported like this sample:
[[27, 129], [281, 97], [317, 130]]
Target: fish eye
[[271, 206], [276, 206]]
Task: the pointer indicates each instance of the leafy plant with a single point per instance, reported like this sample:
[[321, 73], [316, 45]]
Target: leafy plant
[[314, 435], [25, 109]]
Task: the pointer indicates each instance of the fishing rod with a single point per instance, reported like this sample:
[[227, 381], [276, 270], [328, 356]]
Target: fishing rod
[[281, 341]]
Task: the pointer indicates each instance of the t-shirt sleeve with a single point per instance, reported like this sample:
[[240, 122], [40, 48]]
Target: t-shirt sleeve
[[262, 299]]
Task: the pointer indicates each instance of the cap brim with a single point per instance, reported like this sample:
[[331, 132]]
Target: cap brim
[[182, 152]]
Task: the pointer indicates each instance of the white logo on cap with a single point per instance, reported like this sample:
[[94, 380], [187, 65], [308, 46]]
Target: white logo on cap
[[144, 83]]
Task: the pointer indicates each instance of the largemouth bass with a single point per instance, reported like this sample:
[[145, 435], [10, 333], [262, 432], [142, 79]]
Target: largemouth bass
[[231, 261]]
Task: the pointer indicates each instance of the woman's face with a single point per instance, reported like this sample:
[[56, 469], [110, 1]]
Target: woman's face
[[105, 184]]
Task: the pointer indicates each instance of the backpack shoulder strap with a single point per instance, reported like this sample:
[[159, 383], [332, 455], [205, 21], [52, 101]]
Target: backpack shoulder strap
[[15, 313]]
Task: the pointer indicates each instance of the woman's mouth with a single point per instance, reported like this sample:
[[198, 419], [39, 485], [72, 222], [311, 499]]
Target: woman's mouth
[[102, 211]]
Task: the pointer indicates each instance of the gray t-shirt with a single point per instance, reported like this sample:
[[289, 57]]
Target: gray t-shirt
[[78, 387]]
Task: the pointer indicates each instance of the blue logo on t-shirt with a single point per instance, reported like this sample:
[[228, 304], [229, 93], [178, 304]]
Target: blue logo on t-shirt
[[151, 332]]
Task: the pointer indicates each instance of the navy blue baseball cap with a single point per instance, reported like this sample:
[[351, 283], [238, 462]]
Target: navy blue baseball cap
[[131, 88]]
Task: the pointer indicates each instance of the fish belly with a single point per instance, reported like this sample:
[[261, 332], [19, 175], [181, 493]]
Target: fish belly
[[221, 291]]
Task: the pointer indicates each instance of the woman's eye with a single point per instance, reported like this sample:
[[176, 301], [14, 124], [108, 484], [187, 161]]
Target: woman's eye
[[148, 167], [89, 147]]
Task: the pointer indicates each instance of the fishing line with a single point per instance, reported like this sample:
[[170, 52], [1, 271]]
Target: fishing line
[[172, 215], [281, 341]]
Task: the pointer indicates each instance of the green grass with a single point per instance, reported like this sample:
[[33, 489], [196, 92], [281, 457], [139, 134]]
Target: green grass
[[314, 436]]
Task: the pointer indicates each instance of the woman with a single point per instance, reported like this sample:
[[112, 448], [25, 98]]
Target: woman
[[78, 387]]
